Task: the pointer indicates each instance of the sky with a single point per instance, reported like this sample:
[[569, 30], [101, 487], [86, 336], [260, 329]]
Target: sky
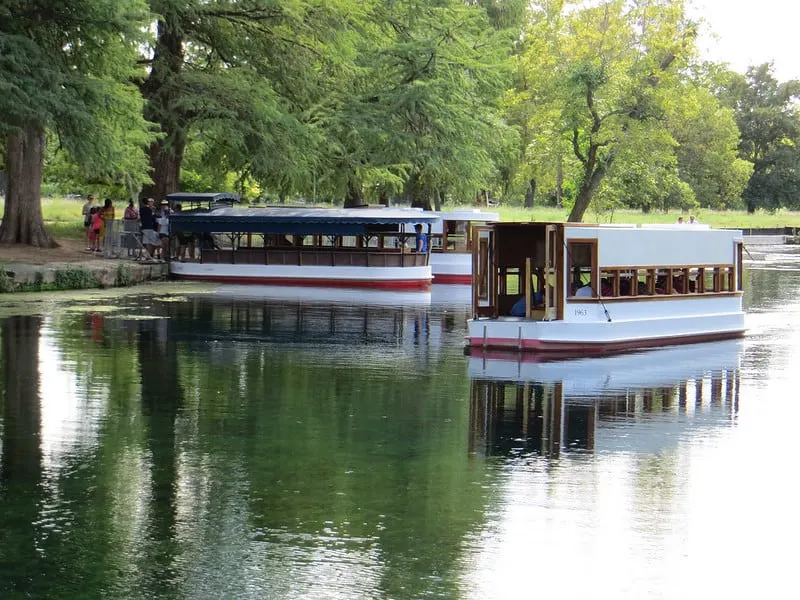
[[750, 32]]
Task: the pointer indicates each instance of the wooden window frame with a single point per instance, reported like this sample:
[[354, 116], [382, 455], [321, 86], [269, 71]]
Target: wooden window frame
[[594, 280], [721, 277]]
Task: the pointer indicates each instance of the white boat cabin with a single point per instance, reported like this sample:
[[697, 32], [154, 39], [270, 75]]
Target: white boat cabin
[[599, 287]]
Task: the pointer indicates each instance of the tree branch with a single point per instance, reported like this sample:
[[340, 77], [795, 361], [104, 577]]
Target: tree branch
[[576, 147]]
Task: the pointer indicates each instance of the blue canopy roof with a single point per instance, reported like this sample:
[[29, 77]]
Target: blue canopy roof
[[299, 221]]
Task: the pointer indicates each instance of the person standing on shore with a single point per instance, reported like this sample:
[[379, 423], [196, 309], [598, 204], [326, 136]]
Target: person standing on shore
[[130, 228], [162, 222], [86, 211], [148, 220]]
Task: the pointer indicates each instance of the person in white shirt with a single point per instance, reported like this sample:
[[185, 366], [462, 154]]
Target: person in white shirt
[[163, 229]]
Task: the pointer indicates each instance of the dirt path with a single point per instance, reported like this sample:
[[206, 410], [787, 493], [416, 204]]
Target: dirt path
[[68, 251]]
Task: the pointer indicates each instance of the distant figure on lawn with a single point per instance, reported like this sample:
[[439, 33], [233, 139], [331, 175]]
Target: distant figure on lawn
[[86, 211]]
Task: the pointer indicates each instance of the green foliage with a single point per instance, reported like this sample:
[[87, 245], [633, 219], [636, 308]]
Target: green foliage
[[767, 116], [707, 138], [433, 100], [595, 85], [74, 278], [67, 67], [419, 112], [124, 275], [6, 283]]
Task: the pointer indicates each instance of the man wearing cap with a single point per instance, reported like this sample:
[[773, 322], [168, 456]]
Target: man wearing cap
[[148, 220], [86, 211]]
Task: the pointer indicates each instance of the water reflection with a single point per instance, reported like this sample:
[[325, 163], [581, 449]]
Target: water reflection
[[637, 402]]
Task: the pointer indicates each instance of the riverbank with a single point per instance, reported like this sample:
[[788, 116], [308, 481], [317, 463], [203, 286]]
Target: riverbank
[[69, 267]]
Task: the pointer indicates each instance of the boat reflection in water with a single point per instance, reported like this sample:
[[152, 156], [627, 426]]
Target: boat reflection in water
[[546, 408], [326, 318]]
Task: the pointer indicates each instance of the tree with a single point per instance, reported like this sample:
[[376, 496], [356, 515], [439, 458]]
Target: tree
[[243, 78], [420, 115], [614, 68], [769, 122], [707, 138], [65, 66]]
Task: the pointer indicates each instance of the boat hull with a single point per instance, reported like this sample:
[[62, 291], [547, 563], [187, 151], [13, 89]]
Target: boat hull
[[451, 268], [568, 339], [386, 278]]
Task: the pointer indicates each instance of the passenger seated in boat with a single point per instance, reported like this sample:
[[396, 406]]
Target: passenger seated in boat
[[518, 310], [207, 242], [661, 284]]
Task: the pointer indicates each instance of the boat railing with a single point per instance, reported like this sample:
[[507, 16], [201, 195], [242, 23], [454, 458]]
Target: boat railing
[[307, 256]]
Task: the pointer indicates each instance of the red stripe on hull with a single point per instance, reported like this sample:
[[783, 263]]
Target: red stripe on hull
[[395, 284], [538, 350], [451, 278]]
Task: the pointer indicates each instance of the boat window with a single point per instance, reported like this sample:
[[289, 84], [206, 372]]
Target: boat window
[[582, 257], [510, 282], [643, 282], [452, 239]]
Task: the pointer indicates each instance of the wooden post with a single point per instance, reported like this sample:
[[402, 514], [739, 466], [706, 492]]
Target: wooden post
[[528, 307]]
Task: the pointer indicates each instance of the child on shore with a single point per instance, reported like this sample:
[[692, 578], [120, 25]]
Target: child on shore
[[96, 225]]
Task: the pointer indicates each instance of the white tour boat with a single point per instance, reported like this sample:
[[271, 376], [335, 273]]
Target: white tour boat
[[594, 289], [451, 244], [357, 247]]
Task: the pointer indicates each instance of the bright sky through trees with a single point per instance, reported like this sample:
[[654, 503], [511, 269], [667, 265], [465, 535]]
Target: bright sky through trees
[[746, 32]]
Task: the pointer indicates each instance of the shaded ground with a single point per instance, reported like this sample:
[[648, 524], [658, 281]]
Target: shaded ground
[[68, 251]]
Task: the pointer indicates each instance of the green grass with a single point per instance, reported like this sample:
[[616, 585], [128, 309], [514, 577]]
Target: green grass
[[731, 218], [62, 217]]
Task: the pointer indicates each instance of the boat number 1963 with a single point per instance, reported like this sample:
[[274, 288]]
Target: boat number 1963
[[581, 312]]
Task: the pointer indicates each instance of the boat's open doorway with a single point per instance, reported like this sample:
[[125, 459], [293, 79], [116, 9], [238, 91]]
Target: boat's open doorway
[[484, 272], [518, 271]]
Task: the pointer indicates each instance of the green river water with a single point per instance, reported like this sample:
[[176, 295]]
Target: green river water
[[188, 442]]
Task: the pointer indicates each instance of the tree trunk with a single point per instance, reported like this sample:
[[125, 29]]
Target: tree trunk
[[355, 196], [22, 221], [530, 193], [591, 179], [21, 460], [383, 199], [422, 200], [162, 91], [162, 400], [438, 200], [165, 162]]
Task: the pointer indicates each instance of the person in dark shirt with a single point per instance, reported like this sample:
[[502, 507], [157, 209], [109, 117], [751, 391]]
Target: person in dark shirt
[[148, 220]]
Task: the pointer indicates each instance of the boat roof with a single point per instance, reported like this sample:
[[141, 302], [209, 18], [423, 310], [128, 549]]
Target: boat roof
[[202, 197], [332, 221], [469, 215]]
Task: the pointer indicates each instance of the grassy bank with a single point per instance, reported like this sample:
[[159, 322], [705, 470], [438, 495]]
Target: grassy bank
[[63, 216], [731, 219]]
